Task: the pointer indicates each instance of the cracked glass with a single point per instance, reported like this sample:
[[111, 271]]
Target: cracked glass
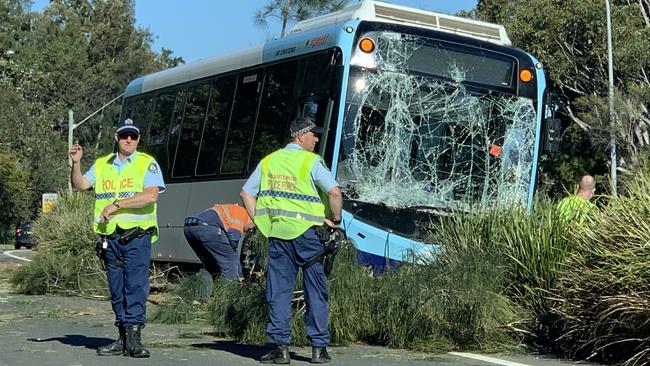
[[431, 127]]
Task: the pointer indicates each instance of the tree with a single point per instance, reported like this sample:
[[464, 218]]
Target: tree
[[13, 190], [569, 38], [13, 20], [76, 54], [295, 11]]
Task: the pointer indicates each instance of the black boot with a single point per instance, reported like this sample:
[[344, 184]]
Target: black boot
[[134, 347], [320, 355], [278, 355], [115, 348]]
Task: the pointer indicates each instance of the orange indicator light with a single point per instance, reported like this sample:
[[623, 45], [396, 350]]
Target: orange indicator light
[[367, 45], [525, 75]]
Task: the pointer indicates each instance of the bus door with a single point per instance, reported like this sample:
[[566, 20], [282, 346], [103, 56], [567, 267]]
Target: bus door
[[320, 110]]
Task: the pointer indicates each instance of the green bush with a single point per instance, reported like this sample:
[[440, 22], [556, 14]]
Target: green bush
[[604, 285], [452, 303], [66, 261]]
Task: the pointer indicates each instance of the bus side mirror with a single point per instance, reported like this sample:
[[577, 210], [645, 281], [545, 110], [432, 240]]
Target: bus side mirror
[[551, 134]]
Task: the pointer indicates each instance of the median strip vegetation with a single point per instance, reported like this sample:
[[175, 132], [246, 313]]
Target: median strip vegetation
[[66, 262], [505, 279]]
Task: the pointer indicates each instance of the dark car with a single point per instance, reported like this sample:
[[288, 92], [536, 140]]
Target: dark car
[[24, 235]]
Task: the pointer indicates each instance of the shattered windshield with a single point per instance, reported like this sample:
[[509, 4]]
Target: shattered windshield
[[418, 137]]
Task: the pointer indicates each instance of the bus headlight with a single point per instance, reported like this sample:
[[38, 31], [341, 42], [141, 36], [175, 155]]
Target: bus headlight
[[360, 84]]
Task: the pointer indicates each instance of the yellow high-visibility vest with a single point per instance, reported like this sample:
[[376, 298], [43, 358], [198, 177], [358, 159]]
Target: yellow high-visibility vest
[[288, 204], [109, 186]]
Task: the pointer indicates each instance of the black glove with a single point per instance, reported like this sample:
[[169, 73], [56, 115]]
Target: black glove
[[100, 251], [323, 233]]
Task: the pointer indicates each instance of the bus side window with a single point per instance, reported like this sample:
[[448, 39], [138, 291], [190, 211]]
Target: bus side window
[[216, 125], [190, 132], [320, 110], [157, 143], [142, 115], [318, 75], [242, 122], [127, 111], [271, 131], [175, 127]]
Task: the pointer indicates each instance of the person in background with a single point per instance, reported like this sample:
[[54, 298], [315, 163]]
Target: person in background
[[289, 195], [126, 184], [575, 208]]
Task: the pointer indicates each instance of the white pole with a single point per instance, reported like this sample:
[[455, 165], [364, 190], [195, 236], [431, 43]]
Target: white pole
[[612, 117], [72, 126], [70, 136]]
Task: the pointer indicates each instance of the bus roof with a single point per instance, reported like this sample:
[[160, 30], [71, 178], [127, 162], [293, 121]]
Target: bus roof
[[196, 70], [388, 13], [366, 10]]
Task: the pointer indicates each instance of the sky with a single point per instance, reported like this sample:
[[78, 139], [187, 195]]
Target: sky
[[196, 29]]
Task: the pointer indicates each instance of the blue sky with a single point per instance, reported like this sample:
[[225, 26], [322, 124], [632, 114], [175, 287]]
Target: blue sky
[[196, 29]]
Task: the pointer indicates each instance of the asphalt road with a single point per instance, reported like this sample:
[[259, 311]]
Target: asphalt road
[[56, 330]]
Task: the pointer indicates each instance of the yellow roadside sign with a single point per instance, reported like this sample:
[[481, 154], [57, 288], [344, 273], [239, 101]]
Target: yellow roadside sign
[[48, 200]]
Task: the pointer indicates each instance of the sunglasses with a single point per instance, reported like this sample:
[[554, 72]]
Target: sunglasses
[[125, 135]]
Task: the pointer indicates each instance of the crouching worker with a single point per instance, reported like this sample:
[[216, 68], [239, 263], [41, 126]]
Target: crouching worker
[[126, 186], [214, 234]]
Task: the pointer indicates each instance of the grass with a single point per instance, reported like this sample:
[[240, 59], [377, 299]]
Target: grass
[[436, 306], [604, 288], [181, 308], [65, 262]]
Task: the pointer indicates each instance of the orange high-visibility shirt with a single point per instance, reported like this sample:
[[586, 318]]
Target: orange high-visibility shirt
[[232, 216]]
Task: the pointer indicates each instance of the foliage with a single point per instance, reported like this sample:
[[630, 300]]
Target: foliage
[[605, 285], [66, 261], [74, 55], [472, 295], [182, 308], [570, 39], [295, 10], [13, 189], [454, 303]]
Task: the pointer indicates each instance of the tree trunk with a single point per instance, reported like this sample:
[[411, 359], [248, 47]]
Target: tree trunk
[[285, 16]]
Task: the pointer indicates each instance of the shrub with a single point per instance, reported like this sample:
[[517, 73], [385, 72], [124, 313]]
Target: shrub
[[66, 261], [453, 303], [604, 286]]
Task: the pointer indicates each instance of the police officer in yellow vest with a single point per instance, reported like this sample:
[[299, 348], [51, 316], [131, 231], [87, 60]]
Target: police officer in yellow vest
[[289, 194], [126, 187]]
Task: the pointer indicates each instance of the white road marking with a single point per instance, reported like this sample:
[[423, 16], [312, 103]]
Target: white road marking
[[487, 359], [8, 253]]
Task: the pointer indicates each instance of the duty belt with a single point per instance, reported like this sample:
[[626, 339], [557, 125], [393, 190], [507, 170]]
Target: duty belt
[[191, 221]]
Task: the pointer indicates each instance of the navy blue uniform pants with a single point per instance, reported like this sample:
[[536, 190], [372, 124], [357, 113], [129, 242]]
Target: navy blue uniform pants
[[212, 246], [285, 257], [127, 267]]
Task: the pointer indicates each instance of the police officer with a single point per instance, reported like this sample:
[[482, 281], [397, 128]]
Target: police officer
[[214, 235], [289, 194], [126, 187]]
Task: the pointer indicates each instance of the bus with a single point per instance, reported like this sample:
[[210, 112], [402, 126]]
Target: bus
[[424, 115]]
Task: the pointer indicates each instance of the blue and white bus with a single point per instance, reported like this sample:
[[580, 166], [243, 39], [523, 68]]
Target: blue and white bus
[[424, 114]]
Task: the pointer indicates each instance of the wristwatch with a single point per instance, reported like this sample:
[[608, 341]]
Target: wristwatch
[[336, 221], [116, 203]]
